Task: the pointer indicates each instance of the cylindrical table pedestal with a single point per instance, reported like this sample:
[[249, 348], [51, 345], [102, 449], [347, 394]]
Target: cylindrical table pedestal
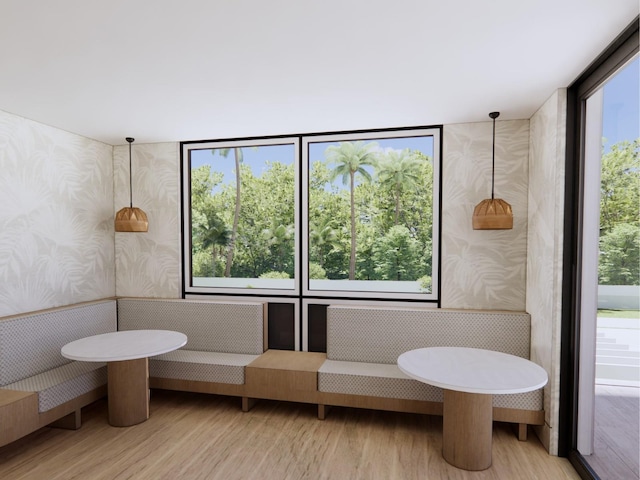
[[467, 429], [128, 390]]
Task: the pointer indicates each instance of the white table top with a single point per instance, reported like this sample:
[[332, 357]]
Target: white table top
[[124, 345], [472, 370]]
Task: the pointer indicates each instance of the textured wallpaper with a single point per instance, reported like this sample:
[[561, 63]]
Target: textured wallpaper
[[148, 264], [484, 269], [56, 217], [545, 237]]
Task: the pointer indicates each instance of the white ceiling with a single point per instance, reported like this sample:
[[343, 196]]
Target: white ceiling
[[169, 70]]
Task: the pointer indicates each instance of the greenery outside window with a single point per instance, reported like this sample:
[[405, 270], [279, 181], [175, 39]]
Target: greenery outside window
[[353, 215], [241, 216], [371, 214]]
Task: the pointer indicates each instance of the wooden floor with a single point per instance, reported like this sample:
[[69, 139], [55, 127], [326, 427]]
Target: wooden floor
[[196, 436], [616, 433]]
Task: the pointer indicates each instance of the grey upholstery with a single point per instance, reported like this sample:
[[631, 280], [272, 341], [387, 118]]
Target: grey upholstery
[[363, 345]]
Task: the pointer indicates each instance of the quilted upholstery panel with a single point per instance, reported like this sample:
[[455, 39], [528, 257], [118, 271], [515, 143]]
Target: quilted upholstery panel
[[524, 401], [209, 326], [390, 382], [201, 366], [387, 381], [30, 344], [59, 385], [380, 335]]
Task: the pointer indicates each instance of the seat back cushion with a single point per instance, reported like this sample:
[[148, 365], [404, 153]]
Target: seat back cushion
[[209, 326], [30, 343], [380, 335]]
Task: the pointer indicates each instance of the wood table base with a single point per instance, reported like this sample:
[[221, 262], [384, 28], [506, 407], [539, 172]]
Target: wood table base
[[128, 391], [467, 429]]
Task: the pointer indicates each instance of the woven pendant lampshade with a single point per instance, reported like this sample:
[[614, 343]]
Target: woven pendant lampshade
[[493, 213], [131, 219]]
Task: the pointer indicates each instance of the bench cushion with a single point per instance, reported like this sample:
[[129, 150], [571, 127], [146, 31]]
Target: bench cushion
[[62, 384], [201, 366], [373, 379], [30, 343], [209, 326], [380, 335], [388, 381]]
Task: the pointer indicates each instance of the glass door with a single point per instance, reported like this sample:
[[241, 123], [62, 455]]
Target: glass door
[[609, 365]]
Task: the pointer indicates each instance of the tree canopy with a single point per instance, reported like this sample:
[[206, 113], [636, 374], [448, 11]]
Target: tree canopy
[[619, 262], [370, 216]]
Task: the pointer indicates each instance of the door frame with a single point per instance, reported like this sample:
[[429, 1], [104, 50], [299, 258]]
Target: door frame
[[621, 50]]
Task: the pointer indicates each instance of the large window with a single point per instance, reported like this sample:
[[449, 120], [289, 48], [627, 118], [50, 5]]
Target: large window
[[352, 215]]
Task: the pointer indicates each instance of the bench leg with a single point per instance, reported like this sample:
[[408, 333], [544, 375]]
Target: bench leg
[[72, 421], [522, 431], [248, 403], [323, 410]]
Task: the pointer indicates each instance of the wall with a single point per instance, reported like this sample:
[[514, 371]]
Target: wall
[[481, 269], [544, 259], [484, 269], [56, 217], [149, 264]]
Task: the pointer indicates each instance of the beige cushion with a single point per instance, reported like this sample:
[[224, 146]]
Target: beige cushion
[[201, 366], [61, 384]]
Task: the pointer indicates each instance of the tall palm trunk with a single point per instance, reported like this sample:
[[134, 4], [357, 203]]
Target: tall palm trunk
[[352, 258], [396, 216], [236, 216]]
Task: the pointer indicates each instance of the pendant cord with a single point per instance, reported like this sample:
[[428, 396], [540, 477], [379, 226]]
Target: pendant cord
[[493, 115], [131, 180], [493, 159], [130, 140]]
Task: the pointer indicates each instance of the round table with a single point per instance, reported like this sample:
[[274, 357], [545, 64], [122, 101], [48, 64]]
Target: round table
[[127, 355], [470, 377]]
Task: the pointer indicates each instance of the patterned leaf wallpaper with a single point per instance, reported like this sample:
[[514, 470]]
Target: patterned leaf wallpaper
[[544, 260], [148, 264], [56, 217], [484, 269]]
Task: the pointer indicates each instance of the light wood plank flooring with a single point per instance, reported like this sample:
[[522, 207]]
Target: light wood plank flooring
[[616, 433], [196, 436]]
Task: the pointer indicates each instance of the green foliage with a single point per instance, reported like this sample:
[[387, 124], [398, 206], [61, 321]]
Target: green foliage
[[620, 185], [620, 256], [378, 228], [619, 262], [274, 275], [316, 272], [425, 283], [397, 255]]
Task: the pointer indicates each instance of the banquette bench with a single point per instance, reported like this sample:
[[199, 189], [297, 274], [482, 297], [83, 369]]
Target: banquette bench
[[222, 339], [363, 345], [38, 386], [225, 354]]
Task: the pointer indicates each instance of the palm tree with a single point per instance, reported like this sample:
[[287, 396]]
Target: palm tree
[[350, 159], [237, 157], [321, 234], [278, 236], [213, 234], [398, 169]]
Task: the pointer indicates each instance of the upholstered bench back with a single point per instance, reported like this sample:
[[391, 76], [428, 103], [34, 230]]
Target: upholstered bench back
[[209, 326], [30, 343], [380, 335]]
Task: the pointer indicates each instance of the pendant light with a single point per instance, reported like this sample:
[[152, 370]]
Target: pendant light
[[493, 213], [131, 219]]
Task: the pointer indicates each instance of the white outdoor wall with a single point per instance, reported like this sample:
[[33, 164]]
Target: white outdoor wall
[[148, 264], [544, 257], [56, 217], [484, 269]]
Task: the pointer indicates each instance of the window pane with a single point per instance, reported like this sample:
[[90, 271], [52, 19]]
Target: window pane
[[243, 216], [371, 214]]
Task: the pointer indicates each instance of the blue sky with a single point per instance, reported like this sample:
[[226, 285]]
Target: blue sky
[[621, 105], [256, 158]]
